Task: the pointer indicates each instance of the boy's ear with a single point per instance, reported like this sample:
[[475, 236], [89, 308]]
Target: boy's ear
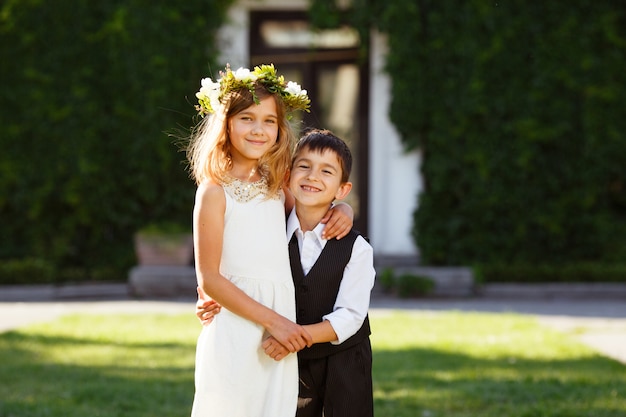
[[343, 191]]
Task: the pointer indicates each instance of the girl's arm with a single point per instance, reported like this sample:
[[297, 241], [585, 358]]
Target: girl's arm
[[321, 332], [208, 224], [206, 309]]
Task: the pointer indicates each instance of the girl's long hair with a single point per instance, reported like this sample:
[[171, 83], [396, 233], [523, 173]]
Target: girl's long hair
[[209, 151]]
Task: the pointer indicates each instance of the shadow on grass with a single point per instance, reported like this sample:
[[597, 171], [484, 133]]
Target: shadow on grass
[[427, 382], [134, 379]]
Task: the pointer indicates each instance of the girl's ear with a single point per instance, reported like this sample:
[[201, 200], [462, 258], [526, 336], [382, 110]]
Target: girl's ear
[[343, 191]]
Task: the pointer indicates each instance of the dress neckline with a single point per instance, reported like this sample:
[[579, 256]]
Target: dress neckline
[[244, 191]]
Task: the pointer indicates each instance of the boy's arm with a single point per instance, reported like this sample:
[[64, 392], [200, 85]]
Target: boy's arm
[[351, 305], [353, 298], [321, 332]]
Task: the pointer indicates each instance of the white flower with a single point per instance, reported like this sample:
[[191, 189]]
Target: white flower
[[209, 83], [294, 89], [208, 86], [244, 74], [214, 97], [210, 91]]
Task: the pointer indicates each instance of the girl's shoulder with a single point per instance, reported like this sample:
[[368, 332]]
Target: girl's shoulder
[[209, 190]]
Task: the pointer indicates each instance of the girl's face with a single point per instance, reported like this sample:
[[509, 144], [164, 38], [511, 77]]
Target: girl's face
[[253, 131]]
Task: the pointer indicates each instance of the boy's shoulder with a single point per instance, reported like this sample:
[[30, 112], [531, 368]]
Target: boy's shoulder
[[353, 237]]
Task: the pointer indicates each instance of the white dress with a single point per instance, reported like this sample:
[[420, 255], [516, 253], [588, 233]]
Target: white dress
[[234, 377]]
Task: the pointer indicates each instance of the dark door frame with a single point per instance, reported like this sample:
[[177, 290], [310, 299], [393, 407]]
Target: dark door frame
[[308, 60]]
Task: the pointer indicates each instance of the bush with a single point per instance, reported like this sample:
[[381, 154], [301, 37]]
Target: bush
[[386, 280], [409, 285], [89, 91], [26, 271], [520, 128], [405, 285], [568, 273]]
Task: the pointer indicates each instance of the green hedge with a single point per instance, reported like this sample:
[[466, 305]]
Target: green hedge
[[90, 92], [26, 271], [567, 273], [517, 109]]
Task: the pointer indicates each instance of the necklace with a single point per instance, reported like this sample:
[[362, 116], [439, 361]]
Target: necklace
[[252, 171], [244, 191]]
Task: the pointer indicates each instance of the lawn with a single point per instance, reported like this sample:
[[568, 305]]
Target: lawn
[[450, 364]]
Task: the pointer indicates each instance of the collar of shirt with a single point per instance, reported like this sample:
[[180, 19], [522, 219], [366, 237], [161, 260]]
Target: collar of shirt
[[310, 243], [293, 225]]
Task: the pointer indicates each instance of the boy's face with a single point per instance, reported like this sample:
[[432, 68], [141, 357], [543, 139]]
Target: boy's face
[[315, 178]]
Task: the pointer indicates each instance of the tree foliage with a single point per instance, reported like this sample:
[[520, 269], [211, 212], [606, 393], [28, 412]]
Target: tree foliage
[[90, 90]]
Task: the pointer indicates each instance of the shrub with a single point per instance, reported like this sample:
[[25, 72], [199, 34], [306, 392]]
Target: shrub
[[409, 285], [517, 111], [26, 271], [386, 279], [89, 90], [537, 273], [405, 285]]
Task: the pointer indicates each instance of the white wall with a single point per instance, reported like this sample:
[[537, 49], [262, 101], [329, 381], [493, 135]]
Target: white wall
[[394, 175]]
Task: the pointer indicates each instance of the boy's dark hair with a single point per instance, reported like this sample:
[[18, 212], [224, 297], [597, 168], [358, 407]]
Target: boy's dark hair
[[320, 140]]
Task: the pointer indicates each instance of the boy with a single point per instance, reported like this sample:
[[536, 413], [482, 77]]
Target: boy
[[333, 280]]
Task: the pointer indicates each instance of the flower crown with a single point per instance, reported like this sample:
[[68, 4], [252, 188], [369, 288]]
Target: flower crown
[[212, 93]]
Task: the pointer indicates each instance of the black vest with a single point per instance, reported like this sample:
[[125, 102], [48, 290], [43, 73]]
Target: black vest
[[317, 291]]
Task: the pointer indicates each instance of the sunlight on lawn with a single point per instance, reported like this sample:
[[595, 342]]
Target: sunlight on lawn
[[473, 364], [425, 364]]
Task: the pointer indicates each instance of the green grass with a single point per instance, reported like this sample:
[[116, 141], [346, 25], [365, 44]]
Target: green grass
[[425, 365], [489, 365]]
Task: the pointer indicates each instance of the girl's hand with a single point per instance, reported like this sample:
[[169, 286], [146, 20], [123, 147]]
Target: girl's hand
[[339, 220], [206, 308], [273, 349], [289, 334]]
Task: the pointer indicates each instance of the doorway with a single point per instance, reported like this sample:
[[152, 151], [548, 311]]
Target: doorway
[[329, 64]]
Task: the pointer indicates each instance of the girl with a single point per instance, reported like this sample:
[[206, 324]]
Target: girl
[[239, 157]]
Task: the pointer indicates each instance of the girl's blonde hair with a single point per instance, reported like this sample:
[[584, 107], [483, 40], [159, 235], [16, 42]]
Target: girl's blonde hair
[[209, 152]]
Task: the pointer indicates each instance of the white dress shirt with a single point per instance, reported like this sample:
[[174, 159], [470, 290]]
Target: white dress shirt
[[353, 299]]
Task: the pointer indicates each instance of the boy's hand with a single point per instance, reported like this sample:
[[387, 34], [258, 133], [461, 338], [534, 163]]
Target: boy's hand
[[339, 220], [206, 308], [273, 349]]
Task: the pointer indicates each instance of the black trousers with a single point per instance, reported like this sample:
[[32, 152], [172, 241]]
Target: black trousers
[[339, 385]]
